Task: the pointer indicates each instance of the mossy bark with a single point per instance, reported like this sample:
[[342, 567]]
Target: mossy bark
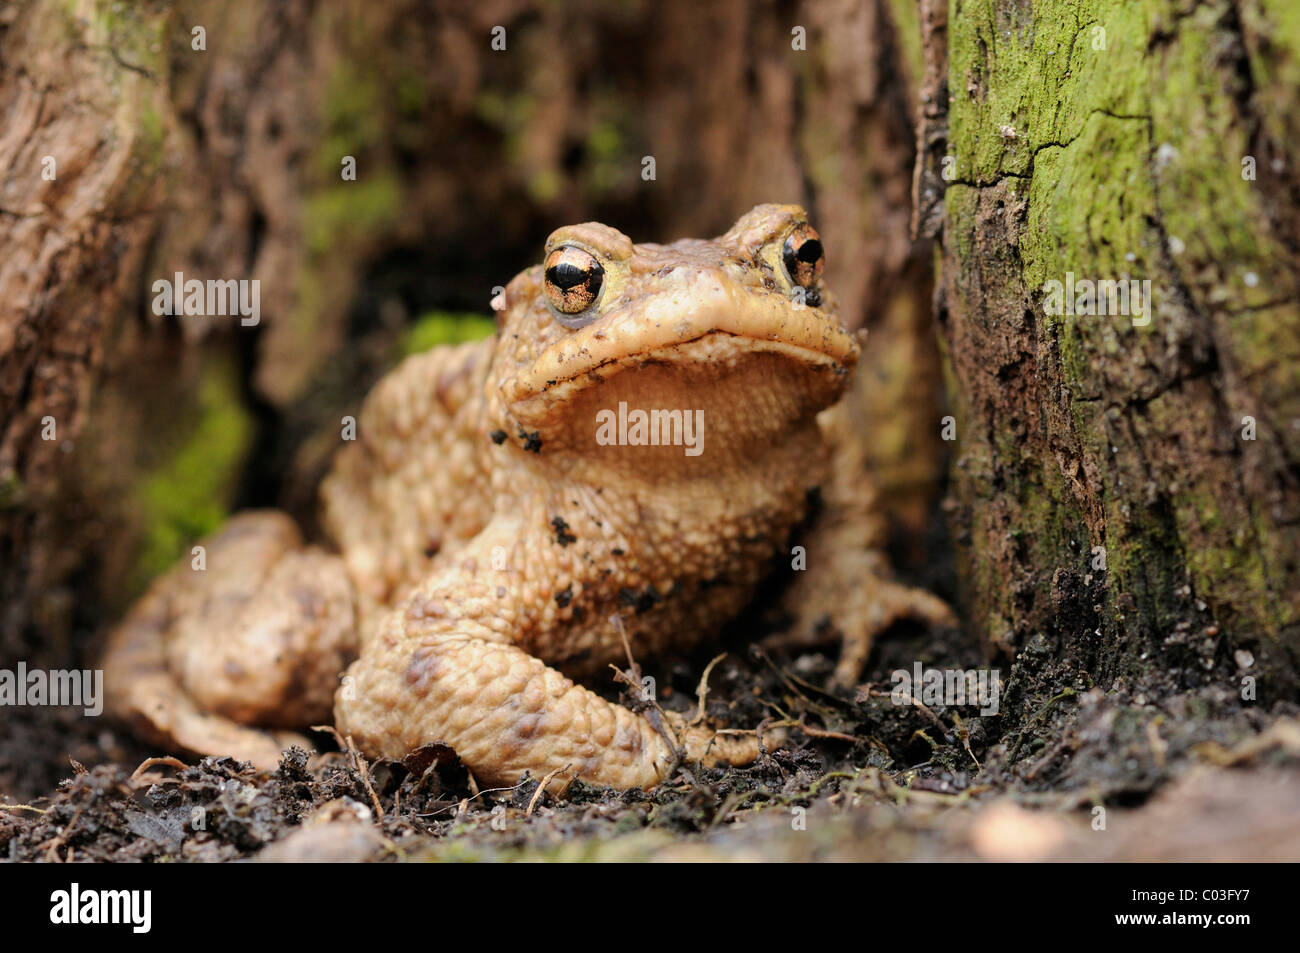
[[1126, 492]]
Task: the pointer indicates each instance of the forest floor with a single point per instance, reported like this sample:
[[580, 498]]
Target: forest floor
[[1089, 776]]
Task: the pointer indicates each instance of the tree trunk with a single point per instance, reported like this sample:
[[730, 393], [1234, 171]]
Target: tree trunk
[[1125, 489]]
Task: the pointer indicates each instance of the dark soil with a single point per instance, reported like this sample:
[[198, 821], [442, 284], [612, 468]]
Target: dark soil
[[1195, 776]]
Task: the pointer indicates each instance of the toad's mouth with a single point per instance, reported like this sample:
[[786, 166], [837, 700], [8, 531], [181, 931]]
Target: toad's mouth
[[713, 348], [750, 390], [722, 325]]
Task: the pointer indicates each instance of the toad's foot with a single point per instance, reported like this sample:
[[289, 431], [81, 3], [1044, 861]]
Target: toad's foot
[[253, 631], [855, 601], [884, 602], [506, 712], [847, 592]]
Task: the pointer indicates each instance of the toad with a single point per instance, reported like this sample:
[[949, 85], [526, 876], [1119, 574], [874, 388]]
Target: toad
[[614, 473]]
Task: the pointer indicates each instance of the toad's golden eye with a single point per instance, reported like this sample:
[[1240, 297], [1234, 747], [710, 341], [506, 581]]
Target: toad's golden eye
[[803, 256], [573, 279]]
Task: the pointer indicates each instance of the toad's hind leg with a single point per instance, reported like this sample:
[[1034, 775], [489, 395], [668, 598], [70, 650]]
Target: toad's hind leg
[[253, 632], [506, 712]]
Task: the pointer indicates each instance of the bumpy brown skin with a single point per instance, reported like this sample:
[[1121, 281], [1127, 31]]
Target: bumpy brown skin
[[491, 538], [253, 634]]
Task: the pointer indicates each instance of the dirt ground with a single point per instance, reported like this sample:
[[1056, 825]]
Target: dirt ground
[[1087, 775]]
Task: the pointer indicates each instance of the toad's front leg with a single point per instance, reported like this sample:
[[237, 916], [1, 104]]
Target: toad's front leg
[[506, 712], [848, 592], [444, 667]]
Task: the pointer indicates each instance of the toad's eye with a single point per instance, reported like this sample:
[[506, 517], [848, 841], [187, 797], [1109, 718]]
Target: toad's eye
[[573, 280], [803, 256]]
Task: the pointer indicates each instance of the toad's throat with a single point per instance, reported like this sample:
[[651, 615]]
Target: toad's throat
[[655, 427]]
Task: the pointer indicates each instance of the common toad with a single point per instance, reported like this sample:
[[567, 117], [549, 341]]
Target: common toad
[[631, 451]]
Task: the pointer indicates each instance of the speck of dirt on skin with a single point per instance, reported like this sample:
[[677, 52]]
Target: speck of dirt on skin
[[498, 437], [562, 534], [532, 441], [642, 601]]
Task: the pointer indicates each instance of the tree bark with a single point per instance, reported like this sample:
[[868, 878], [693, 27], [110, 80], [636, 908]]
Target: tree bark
[[1109, 141]]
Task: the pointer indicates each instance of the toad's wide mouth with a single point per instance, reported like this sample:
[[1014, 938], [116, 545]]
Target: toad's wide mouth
[[663, 327], [760, 388], [754, 394]]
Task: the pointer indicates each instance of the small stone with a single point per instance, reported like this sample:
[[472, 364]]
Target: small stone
[[1243, 658], [1005, 832]]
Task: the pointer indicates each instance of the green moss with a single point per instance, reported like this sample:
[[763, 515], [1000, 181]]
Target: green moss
[[825, 163], [511, 114], [1085, 212], [907, 24], [350, 209], [1242, 557], [609, 154], [353, 114], [1129, 160], [962, 204], [188, 495], [444, 327], [13, 492], [1033, 68], [151, 128], [544, 185], [604, 140], [1274, 52], [412, 94]]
